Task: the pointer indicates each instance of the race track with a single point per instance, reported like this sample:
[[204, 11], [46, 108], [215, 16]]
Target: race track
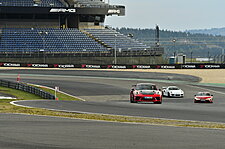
[[38, 132], [108, 92]]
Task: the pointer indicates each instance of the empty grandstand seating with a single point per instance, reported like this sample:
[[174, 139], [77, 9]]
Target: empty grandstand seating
[[30, 3], [52, 40], [112, 38], [49, 40]]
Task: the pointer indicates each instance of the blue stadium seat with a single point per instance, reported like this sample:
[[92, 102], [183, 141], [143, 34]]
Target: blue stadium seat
[[31, 3], [47, 39]]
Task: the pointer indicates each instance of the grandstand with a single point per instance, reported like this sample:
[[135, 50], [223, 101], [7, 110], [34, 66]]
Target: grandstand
[[51, 40], [64, 27], [31, 3], [112, 38]]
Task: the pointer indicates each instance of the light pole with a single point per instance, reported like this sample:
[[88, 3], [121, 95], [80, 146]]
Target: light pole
[[222, 59], [208, 57], [174, 55], [115, 58], [42, 34], [214, 59], [174, 49], [191, 56], [43, 51], [83, 51]]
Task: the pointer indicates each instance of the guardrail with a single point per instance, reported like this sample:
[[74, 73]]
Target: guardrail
[[26, 88]]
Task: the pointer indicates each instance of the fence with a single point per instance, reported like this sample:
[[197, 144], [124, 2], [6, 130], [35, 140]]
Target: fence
[[97, 66], [26, 88]]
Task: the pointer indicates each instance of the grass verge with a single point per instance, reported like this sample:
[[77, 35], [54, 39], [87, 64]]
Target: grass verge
[[60, 96], [20, 95], [6, 107]]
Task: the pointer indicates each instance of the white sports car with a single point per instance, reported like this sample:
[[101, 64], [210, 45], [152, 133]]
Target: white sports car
[[172, 91]]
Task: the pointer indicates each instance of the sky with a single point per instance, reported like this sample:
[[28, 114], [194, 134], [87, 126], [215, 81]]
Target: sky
[[175, 15]]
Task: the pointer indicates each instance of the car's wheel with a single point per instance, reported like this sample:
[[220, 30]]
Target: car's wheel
[[158, 102], [131, 98], [195, 101], [169, 95], [209, 101]]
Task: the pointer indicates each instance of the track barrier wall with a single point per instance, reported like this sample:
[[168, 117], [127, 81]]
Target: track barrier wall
[[26, 88], [159, 66]]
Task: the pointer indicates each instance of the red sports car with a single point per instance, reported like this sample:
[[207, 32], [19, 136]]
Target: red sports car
[[203, 96], [145, 92]]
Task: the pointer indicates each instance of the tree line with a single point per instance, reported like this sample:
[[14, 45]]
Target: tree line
[[195, 44]]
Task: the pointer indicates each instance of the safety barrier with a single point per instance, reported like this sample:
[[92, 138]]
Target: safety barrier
[[157, 66], [26, 88]]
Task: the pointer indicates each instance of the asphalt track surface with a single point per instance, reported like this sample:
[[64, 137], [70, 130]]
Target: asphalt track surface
[[108, 92], [34, 132]]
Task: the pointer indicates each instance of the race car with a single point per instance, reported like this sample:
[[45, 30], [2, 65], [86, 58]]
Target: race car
[[145, 92], [172, 91], [203, 96]]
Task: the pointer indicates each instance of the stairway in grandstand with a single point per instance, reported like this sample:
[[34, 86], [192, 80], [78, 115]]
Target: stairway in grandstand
[[111, 38], [96, 39], [30, 3]]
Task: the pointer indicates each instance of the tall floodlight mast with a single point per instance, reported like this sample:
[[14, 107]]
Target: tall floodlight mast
[[157, 36]]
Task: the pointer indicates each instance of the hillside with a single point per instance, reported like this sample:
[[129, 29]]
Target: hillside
[[201, 45], [213, 31]]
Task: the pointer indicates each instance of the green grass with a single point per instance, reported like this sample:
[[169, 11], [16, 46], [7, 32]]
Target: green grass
[[60, 96], [18, 94], [6, 107]]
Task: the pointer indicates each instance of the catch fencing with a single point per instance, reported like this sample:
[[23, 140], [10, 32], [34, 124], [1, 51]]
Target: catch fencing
[[26, 88]]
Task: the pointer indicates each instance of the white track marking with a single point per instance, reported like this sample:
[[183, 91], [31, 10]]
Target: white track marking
[[80, 112]]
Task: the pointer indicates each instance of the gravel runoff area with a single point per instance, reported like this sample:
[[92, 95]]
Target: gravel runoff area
[[207, 75]]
